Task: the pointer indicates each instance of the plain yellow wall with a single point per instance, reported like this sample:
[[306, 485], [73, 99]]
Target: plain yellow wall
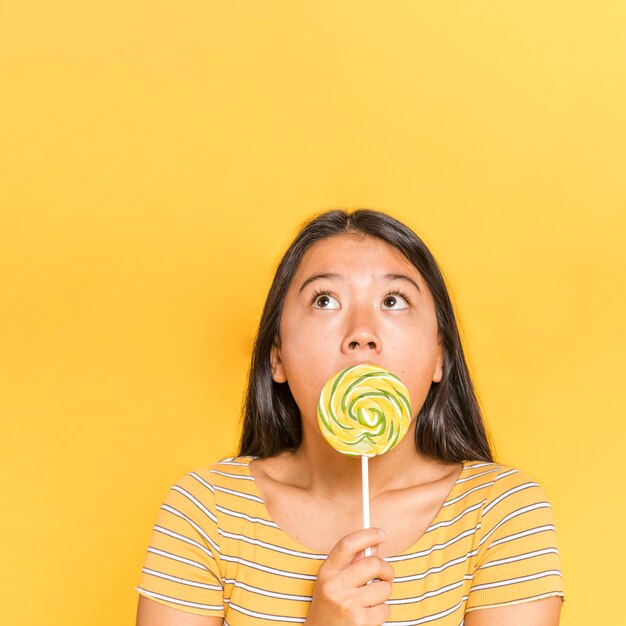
[[157, 158]]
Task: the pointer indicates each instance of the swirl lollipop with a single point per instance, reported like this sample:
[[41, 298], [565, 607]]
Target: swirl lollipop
[[364, 411]]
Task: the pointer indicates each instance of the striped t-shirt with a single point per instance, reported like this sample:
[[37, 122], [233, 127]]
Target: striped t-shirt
[[216, 551]]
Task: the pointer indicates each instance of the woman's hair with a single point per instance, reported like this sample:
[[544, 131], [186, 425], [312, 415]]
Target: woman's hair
[[449, 426]]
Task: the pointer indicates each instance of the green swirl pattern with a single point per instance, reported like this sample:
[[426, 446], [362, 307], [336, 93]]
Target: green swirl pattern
[[364, 410]]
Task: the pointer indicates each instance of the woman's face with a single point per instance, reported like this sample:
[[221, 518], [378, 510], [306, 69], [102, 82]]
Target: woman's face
[[356, 300]]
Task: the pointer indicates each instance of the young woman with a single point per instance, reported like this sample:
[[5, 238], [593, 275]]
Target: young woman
[[272, 536]]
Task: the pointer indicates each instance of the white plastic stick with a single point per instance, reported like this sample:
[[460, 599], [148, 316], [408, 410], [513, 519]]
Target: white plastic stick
[[365, 482]]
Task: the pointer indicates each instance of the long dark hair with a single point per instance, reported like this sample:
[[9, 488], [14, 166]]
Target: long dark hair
[[449, 426]]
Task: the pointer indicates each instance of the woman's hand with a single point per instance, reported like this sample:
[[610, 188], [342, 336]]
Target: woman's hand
[[342, 596]]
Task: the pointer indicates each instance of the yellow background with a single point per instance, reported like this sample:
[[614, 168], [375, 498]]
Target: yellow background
[[157, 158]]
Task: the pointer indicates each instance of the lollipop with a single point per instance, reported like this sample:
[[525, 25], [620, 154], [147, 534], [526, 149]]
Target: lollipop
[[364, 411]]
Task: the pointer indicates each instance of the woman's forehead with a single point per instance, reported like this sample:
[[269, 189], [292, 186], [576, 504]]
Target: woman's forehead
[[348, 252]]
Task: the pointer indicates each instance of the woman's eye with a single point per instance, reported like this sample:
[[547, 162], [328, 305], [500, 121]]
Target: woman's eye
[[395, 301], [325, 301]]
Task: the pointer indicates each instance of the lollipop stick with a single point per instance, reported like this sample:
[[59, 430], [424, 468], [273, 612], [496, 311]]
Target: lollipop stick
[[365, 482]]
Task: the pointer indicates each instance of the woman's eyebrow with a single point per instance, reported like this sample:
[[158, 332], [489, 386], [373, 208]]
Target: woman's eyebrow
[[402, 277], [317, 277], [339, 277]]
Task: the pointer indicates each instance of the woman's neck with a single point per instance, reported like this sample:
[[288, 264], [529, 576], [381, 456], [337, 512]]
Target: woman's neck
[[326, 473]]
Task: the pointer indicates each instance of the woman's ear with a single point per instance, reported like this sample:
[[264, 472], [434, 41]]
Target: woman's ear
[[438, 375], [276, 362]]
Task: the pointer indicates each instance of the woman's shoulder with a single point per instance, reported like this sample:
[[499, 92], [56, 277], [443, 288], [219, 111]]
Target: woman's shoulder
[[198, 493], [504, 487], [494, 471], [203, 480], [220, 472], [517, 557]]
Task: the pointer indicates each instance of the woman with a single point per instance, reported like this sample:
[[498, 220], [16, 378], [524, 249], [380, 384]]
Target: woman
[[271, 536]]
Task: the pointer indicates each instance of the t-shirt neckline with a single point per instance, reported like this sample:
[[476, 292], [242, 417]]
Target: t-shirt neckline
[[415, 547]]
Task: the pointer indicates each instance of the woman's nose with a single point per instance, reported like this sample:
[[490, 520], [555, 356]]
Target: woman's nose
[[361, 336]]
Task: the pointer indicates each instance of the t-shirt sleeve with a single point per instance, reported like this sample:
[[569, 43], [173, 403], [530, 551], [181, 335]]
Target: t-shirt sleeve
[[517, 557], [182, 563]]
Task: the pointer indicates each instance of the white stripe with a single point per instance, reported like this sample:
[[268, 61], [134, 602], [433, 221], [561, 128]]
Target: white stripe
[[236, 476], [201, 480], [469, 509], [175, 557], [521, 557], [430, 618], [171, 533], [182, 581], [512, 515], [196, 502], [195, 526], [430, 594], [521, 579], [269, 570], [254, 520], [439, 546], [275, 618], [231, 462], [465, 494], [270, 546], [433, 570], [507, 473], [232, 492], [265, 592], [489, 471], [506, 494], [483, 464], [197, 605], [526, 533]]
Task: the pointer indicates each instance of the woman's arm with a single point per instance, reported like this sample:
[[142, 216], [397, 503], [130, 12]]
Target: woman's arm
[[544, 612], [151, 613]]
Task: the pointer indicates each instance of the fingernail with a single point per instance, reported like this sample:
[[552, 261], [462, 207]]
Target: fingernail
[[381, 532]]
